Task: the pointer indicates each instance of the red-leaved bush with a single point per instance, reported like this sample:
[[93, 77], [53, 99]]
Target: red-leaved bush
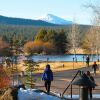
[[4, 78]]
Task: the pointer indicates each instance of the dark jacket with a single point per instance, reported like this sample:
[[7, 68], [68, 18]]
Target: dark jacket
[[94, 66], [87, 59], [47, 75], [92, 79]]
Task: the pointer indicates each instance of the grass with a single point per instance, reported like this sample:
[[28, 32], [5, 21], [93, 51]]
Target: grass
[[57, 66]]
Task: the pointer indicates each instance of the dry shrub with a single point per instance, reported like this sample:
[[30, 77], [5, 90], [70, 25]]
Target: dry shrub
[[7, 95], [4, 78]]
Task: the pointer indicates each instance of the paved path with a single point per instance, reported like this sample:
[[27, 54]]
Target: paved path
[[63, 78]]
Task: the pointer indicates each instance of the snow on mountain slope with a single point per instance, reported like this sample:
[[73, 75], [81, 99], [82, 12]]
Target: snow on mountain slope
[[54, 19]]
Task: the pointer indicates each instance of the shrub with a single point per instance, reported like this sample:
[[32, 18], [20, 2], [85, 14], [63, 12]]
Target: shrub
[[4, 78]]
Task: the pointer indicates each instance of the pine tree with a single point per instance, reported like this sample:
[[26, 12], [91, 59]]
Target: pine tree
[[41, 34], [30, 68]]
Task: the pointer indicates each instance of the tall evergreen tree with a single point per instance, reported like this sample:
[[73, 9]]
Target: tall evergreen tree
[[41, 34], [61, 42], [51, 36]]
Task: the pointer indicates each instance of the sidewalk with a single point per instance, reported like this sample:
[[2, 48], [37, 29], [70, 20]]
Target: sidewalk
[[63, 78]]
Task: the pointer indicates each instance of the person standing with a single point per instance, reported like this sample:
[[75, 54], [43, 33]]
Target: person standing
[[47, 77], [92, 79], [94, 67], [87, 60], [83, 58]]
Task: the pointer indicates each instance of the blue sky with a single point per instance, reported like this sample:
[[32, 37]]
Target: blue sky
[[67, 9]]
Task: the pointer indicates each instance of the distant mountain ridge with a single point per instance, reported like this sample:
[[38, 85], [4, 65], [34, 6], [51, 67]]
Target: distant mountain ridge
[[22, 21], [54, 19]]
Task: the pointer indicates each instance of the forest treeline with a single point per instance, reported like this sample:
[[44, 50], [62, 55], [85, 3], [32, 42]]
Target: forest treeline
[[45, 40]]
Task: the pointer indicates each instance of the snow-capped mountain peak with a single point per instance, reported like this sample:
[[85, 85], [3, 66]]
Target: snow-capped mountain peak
[[54, 19]]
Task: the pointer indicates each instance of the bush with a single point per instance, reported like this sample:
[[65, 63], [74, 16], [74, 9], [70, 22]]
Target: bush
[[4, 79], [38, 47]]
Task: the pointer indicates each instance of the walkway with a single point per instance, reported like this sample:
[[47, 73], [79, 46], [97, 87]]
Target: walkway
[[63, 78]]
